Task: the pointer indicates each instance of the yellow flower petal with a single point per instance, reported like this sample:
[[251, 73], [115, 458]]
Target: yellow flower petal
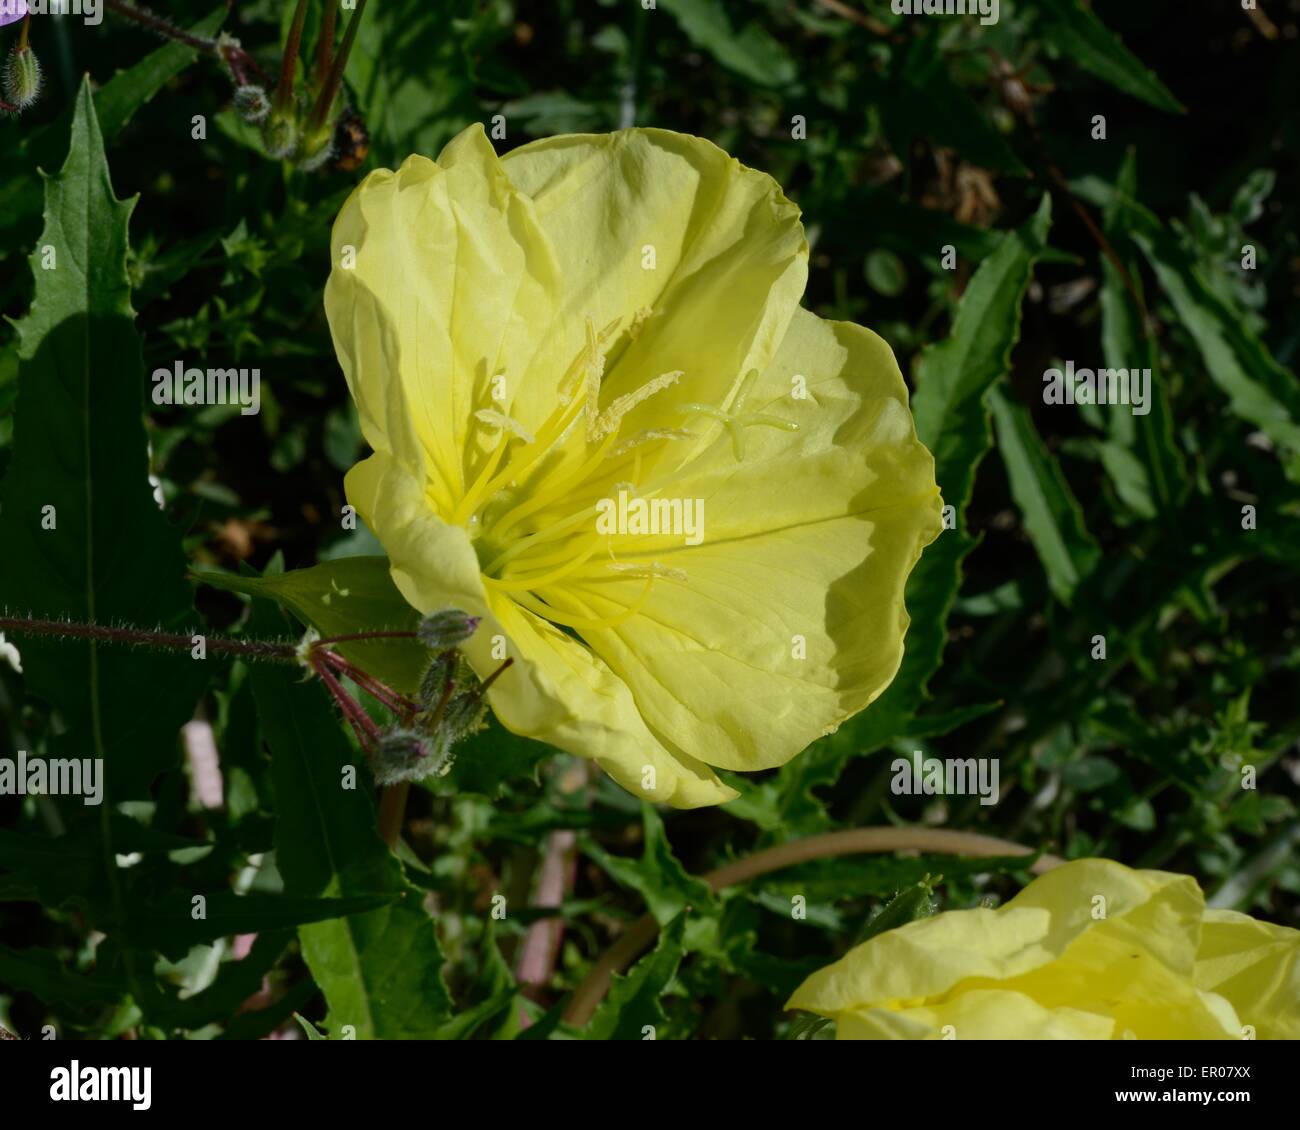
[[981, 1014], [702, 258], [1089, 939], [441, 282], [825, 521], [1256, 966]]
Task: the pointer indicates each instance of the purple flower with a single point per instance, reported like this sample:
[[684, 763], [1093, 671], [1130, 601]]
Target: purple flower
[[11, 11]]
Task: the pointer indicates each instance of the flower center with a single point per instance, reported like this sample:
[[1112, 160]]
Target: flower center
[[531, 510]]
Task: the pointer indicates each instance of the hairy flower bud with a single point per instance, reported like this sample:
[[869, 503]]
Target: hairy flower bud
[[280, 136], [252, 104], [404, 755], [22, 78], [449, 628]]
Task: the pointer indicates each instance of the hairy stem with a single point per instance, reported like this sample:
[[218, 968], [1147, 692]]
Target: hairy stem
[[270, 650]]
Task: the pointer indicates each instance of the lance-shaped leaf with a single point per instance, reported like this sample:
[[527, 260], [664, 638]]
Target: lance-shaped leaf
[[1052, 516], [83, 537]]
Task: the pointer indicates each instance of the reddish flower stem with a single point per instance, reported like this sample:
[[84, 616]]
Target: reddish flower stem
[[362, 724], [382, 693]]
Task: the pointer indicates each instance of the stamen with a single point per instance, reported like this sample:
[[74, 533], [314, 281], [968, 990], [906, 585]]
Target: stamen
[[649, 435], [609, 420], [639, 320], [585, 623], [654, 569], [494, 419], [594, 371], [536, 580]]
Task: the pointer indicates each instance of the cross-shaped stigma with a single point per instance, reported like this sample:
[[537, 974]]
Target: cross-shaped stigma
[[737, 420]]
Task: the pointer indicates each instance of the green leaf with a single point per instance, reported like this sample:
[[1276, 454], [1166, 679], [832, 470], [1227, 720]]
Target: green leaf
[[380, 972], [80, 448], [1052, 516], [667, 887], [1140, 458], [313, 1033], [1082, 38], [1090, 773], [633, 1001], [128, 90], [1259, 389], [340, 597], [908, 905], [412, 78], [750, 51]]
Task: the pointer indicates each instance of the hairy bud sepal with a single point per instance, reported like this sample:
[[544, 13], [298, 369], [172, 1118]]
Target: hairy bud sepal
[[22, 78], [449, 628]]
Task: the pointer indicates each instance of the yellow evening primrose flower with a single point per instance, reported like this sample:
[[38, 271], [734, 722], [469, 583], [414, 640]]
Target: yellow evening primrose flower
[[683, 506], [1093, 950]]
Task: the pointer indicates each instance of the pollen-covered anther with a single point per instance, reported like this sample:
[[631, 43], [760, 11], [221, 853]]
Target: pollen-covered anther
[[654, 569], [639, 320], [648, 435], [501, 422], [609, 420]]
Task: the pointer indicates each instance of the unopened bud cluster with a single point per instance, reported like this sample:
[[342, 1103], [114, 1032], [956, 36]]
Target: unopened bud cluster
[[451, 701]]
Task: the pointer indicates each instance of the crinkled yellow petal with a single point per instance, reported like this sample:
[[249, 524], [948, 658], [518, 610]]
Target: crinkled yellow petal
[[702, 259], [1092, 936], [441, 281], [1256, 966], [982, 1014], [556, 691], [790, 616]]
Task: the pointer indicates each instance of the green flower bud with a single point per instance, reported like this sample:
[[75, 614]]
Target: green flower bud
[[252, 104], [449, 628], [280, 136], [22, 79], [404, 755]]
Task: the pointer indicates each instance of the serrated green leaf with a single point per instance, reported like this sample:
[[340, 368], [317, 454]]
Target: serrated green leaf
[[1259, 388], [667, 887], [632, 1005], [80, 448]]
